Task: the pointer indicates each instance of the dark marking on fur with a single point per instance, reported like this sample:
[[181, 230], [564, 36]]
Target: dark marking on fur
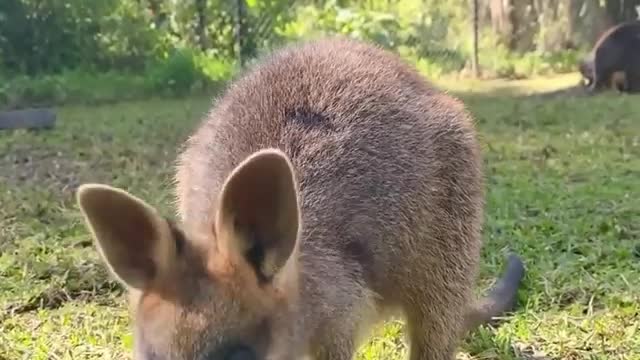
[[309, 119], [178, 237], [255, 256], [359, 254]]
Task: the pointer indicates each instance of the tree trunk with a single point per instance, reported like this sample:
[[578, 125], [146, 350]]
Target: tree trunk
[[239, 30], [554, 25], [527, 25], [515, 22], [501, 21], [573, 15], [474, 58], [158, 15], [201, 28], [595, 21], [622, 10]]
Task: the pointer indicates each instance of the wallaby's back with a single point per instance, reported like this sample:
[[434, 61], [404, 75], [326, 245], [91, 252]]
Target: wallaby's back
[[614, 60], [388, 168], [366, 134]]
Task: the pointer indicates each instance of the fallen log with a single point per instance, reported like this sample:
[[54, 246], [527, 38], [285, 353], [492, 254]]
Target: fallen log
[[27, 119]]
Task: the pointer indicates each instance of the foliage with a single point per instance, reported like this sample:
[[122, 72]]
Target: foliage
[[52, 36], [178, 73], [181, 74], [418, 35], [185, 45]]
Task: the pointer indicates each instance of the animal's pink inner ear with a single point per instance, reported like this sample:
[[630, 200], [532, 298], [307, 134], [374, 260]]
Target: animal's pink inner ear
[[259, 210], [132, 238]]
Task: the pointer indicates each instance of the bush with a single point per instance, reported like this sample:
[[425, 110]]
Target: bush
[[178, 74], [71, 87], [186, 71], [45, 37], [182, 73], [37, 91], [216, 69]]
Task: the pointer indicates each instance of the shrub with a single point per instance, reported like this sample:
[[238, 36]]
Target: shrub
[[178, 74]]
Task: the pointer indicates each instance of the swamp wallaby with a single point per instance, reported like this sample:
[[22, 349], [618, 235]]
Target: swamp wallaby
[[614, 61], [329, 186]]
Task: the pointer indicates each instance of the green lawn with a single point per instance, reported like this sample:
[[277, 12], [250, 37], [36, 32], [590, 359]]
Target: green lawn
[[564, 186]]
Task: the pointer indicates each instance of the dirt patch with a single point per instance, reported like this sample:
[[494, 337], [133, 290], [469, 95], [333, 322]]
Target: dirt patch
[[48, 169], [56, 297], [572, 91], [529, 352]]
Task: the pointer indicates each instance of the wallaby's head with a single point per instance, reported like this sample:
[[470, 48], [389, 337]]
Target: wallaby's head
[[228, 293]]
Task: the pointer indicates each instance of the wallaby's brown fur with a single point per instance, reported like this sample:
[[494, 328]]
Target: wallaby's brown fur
[[329, 186], [616, 51], [619, 81]]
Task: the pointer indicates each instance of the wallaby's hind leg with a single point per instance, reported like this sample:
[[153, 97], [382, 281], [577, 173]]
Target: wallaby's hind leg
[[434, 322], [431, 336], [436, 326], [337, 349], [336, 343]]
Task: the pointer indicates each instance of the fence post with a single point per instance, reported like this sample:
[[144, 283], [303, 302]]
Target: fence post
[[474, 58], [239, 31]]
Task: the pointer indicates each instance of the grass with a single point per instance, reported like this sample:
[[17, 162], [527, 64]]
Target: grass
[[562, 176]]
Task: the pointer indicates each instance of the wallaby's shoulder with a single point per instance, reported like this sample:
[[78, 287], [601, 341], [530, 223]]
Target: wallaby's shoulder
[[335, 78], [331, 53], [627, 31], [328, 68], [327, 83], [331, 96]]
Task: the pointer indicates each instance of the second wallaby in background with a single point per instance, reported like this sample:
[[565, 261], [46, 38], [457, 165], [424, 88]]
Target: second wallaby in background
[[329, 186]]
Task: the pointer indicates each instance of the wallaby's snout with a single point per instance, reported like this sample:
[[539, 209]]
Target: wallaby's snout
[[329, 184]]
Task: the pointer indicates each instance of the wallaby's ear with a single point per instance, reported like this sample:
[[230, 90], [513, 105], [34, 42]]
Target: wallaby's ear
[[132, 238], [258, 214]]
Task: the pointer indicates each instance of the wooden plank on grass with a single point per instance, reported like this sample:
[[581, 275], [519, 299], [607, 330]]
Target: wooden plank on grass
[[27, 119]]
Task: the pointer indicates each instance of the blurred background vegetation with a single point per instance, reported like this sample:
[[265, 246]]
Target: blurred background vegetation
[[60, 51]]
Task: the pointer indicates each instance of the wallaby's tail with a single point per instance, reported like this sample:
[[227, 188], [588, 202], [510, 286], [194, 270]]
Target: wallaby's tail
[[501, 298]]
